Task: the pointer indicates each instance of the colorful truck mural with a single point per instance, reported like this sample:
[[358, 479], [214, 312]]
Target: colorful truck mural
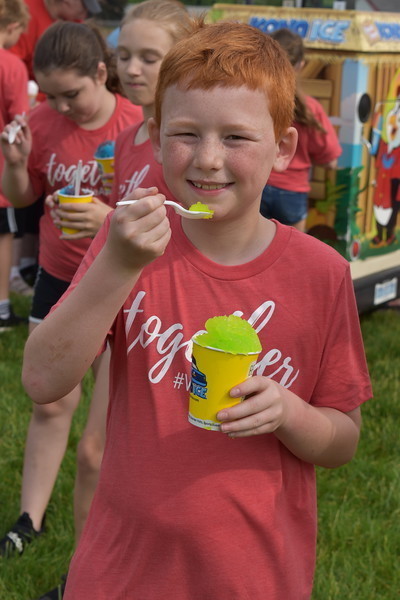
[[353, 69]]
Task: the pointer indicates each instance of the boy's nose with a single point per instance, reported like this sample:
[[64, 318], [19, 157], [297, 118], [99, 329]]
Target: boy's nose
[[209, 155]]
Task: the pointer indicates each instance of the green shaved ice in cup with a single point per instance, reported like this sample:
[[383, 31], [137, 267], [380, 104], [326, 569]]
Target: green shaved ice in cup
[[231, 334], [222, 358]]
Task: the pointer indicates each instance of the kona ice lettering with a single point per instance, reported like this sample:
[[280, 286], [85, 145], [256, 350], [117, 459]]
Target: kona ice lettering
[[329, 31]]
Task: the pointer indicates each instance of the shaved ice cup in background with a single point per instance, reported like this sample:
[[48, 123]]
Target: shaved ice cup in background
[[222, 358], [67, 195], [104, 156]]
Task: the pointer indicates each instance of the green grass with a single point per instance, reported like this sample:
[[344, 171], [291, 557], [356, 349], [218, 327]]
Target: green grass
[[40, 568], [359, 508]]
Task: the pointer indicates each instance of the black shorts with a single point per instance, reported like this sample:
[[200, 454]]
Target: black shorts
[[21, 220], [9, 221], [31, 216], [48, 291]]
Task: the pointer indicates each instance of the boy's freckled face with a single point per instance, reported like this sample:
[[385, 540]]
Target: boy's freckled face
[[217, 146]]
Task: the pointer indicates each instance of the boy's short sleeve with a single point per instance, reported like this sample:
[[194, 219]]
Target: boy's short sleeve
[[343, 381]]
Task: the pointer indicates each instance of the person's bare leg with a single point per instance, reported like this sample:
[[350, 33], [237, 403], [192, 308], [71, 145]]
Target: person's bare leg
[[44, 450], [6, 244], [29, 246], [91, 445]]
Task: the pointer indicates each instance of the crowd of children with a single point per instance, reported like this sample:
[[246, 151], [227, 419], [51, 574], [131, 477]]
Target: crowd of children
[[198, 113]]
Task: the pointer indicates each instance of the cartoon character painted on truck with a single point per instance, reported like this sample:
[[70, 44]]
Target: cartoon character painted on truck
[[386, 146]]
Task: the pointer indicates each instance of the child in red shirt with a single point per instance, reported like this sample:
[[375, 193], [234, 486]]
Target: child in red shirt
[[77, 73], [43, 14], [148, 30], [285, 197], [180, 512], [14, 18]]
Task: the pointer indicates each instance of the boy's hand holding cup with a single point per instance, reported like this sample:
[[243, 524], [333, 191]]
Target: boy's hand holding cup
[[222, 358]]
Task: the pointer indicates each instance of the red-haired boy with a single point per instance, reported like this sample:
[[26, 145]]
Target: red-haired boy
[[181, 512]]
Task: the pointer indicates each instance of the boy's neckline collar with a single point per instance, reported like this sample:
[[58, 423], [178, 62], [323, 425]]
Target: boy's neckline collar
[[235, 272]]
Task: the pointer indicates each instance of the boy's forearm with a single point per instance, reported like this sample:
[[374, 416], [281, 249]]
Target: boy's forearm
[[320, 435], [16, 185], [61, 349]]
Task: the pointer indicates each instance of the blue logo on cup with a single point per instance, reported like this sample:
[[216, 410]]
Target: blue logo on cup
[[198, 385]]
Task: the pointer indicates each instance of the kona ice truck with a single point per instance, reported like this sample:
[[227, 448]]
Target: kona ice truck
[[353, 68]]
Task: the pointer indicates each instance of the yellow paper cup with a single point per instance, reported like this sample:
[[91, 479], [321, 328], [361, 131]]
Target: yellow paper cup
[[214, 374], [106, 165], [66, 199]]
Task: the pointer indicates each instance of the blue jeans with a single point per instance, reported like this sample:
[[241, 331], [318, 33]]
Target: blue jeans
[[283, 205]]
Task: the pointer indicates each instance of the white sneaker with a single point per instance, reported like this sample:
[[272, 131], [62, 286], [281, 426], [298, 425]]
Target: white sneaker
[[19, 286]]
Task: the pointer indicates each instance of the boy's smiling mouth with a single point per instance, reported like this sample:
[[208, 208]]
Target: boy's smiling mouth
[[208, 186]]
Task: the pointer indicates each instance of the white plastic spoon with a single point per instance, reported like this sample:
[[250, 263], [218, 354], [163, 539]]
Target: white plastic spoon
[[78, 178], [12, 134], [184, 212]]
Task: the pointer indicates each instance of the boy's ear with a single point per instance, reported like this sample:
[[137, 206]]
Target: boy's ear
[[286, 148], [154, 135]]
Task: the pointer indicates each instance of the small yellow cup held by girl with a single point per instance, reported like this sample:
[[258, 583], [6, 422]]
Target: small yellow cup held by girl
[[67, 196], [216, 370]]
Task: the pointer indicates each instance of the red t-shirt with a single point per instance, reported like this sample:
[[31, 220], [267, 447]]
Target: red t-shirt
[[313, 148], [189, 514], [135, 166], [40, 20], [58, 145], [13, 97]]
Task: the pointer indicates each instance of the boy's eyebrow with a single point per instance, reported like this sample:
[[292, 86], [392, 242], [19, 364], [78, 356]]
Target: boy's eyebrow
[[186, 122]]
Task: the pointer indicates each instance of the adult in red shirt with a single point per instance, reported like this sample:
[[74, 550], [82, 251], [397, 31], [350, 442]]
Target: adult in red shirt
[[43, 14]]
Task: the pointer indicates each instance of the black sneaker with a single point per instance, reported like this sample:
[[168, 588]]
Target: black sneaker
[[12, 321], [58, 592], [19, 536]]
